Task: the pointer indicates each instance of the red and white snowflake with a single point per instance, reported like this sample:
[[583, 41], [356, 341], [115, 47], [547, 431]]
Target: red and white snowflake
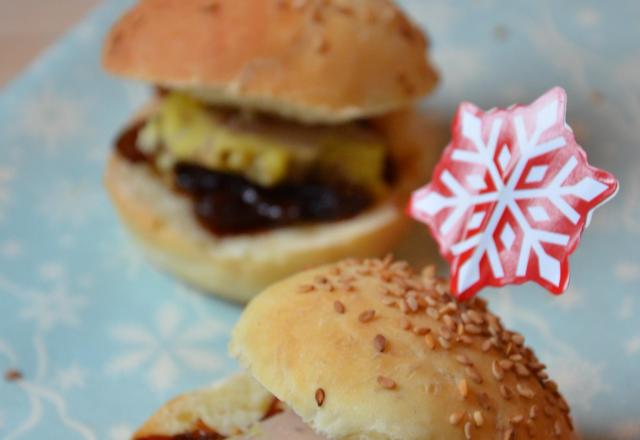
[[511, 196]]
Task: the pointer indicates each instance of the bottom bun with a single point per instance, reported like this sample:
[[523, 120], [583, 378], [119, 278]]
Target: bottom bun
[[238, 267], [227, 408]]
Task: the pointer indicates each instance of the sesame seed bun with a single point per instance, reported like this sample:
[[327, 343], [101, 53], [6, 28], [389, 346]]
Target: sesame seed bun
[[238, 267], [395, 357], [311, 60]]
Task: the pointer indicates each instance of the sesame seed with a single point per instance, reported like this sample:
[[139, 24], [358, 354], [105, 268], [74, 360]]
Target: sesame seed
[[389, 302], [516, 419], [445, 333], [478, 419], [327, 287], [476, 317], [465, 339], [505, 364], [449, 308], [454, 418], [347, 279], [412, 303], [486, 345], [386, 382], [386, 276], [507, 351], [533, 412], [380, 343], [516, 357], [497, 371], [305, 288], [472, 329], [433, 313], [508, 434], [320, 396], [428, 272], [335, 271], [467, 430], [552, 386], [480, 303], [463, 388], [463, 359], [444, 343], [431, 388], [367, 316], [421, 331], [348, 262], [448, 321], [211, 5], [521, 370], [524, 391], [473, 374], [536, 366], [505, 392], [396, 291], [484, 401], [563, 404], [569, 421], [323, 46], [338, 307], [402, 267], [517, 338], [431, 343], [347, 287], [550, 399], [557, 428]]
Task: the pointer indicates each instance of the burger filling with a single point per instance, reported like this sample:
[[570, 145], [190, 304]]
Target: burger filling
[[284, 426], [248, 172], [278, 424]]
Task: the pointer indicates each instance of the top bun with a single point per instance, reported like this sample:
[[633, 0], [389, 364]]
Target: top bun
[[312, 60], [371, 350]]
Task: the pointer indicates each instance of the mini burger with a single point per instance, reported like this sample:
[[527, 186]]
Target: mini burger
[[281, 135], [370, 350]]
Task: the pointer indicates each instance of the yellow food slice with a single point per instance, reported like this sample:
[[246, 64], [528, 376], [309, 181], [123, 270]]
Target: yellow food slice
[[187, 130]]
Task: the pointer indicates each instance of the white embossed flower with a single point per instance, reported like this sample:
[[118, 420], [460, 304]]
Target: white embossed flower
[[165, 348]]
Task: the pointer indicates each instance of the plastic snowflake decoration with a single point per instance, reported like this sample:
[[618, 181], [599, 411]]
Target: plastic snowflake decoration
[[511, 196]]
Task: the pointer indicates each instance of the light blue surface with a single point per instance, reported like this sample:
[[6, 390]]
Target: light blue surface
[[103, 339]]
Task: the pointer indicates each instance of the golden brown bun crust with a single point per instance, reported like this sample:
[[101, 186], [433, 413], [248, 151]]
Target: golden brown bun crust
[[312, 60], [227, 408], [295, 339], [239, 267]]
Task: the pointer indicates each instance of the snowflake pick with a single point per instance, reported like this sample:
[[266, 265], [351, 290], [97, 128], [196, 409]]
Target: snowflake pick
[[511, 196]]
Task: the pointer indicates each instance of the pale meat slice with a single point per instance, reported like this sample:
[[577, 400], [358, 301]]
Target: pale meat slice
[[283, 426]]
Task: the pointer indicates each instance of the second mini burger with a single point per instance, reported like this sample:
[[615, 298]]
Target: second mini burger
[[281, 136]]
